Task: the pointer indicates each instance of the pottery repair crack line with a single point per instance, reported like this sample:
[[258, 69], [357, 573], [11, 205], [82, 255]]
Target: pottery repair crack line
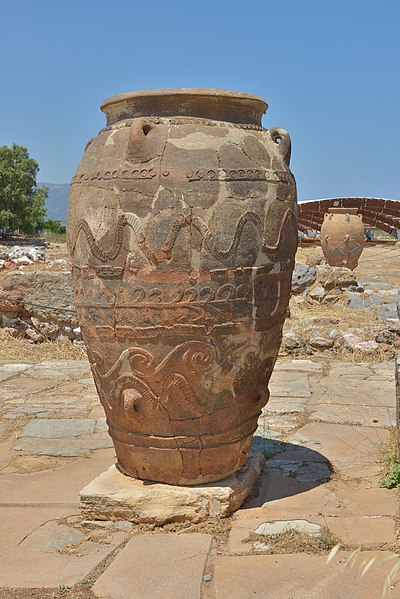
[[162, 153], [253, 160], [200, 450]]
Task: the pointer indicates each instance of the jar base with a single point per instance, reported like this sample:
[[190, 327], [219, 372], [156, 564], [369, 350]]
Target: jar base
[[182, 466]]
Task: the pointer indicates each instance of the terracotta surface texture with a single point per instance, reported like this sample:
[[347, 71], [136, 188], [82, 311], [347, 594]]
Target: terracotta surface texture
[[182, 233], [342, 237]]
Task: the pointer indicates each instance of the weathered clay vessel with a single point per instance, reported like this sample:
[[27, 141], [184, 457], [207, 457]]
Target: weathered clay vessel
[[182, 233], [342, 237]]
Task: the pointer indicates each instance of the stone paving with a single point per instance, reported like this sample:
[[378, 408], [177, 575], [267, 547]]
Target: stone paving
[[323, 434]]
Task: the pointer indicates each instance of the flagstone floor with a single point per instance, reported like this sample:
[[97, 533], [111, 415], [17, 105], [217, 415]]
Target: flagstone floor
[[323, 433]]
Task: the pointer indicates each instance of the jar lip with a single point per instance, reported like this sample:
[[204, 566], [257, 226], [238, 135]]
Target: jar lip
[[343, 210], [187, 92]]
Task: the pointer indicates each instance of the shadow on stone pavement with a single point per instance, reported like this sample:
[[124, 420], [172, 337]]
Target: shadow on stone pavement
[[291, 469]]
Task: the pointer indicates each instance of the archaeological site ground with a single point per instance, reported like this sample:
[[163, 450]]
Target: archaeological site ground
[[325, 442]]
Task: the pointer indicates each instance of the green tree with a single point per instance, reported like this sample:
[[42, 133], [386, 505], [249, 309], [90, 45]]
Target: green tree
[[53, 226], [22, 202]]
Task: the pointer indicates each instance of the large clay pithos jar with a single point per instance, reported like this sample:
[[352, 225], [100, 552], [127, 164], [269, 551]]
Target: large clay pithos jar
[[342, 237], [182, 233]]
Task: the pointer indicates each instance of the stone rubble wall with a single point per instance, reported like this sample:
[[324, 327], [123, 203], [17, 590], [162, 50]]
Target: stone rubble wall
[[316, 283], [39, 306]]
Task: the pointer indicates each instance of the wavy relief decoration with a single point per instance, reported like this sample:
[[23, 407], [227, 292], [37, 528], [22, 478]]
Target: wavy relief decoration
[[181, 222]]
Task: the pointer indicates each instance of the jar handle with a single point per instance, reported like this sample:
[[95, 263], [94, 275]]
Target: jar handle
[[282, 139], [140, 147]]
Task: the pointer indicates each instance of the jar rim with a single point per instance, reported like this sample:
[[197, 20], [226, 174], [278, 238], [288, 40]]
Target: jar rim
[[165, 93], [204, 103]]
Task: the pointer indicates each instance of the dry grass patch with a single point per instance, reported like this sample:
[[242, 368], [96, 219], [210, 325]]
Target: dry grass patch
[[347, 317], [16, 349], [218, 528], [361, 322], [46, 267], [376, 356], [293, 541]]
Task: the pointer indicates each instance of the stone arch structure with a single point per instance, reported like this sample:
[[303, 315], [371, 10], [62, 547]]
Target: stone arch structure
[[376, 212]]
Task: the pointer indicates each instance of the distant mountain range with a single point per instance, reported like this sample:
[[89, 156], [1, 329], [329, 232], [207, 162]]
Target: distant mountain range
[[57, 201]]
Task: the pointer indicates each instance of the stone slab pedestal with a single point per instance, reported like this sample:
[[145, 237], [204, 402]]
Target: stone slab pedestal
[[115, 496]]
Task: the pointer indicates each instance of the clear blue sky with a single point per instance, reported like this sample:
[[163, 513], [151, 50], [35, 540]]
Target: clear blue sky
[[328, 70]]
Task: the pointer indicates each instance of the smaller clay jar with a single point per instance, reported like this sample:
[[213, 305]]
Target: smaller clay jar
[[342, 237]]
